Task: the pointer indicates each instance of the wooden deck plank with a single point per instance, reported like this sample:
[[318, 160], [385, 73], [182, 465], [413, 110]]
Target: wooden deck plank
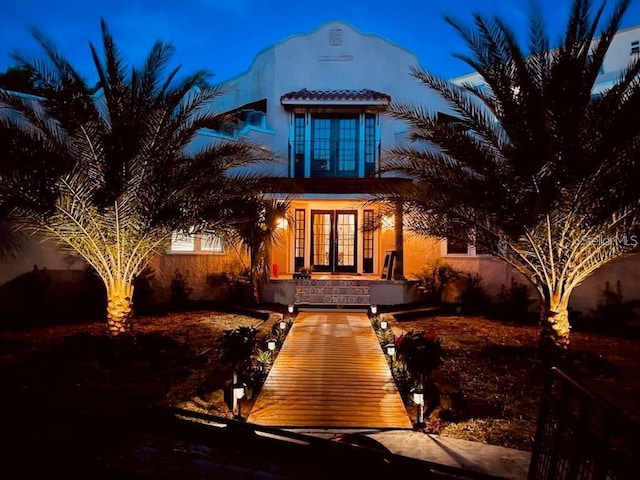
[[330, 373]]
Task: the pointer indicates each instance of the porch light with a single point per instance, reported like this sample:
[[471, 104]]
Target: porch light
[[271, 344], [374, 309], [384, 324], [239, 391], [417, 394]]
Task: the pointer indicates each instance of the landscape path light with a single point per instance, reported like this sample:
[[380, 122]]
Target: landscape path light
[[374, 310], [239, 391], [271, 345], [384, 324], [417, 395], [391, 351]]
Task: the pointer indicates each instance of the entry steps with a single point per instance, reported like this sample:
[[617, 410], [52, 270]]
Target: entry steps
[[332, 293]]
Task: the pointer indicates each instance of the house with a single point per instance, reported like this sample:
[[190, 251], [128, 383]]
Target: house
[[318, 101]]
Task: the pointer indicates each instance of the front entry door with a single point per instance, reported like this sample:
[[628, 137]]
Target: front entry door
[[334, 240]]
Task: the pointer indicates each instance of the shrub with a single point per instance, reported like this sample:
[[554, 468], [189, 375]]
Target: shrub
[[180, 291], [142, 291], [612, 310], [514, 302], [421, 352], [434, 278], [473, 298], [236, 348]]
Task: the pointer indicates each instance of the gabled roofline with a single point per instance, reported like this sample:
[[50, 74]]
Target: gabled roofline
[[312, 32]]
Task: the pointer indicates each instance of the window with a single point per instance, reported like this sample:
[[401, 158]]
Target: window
[[367, 241], [334, 146], [299, 239], [635, 47], [211, 243], [369, 143], [339, 145], [455, 246], [190, 243], [182, 242]]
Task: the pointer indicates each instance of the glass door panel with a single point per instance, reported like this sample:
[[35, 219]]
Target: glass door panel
[[321, 242], [345, 242], [334, 241]]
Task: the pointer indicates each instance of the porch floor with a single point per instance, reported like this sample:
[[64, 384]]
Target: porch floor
[[330, 373]]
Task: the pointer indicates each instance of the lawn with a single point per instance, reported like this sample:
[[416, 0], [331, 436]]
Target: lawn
[[53, 376]]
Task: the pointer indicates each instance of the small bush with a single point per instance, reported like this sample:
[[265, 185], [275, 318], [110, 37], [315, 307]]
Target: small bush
[[180, 291], [421, 352], [434, 278], [612, 311], [473, 298], [514, 303], [143, 291]]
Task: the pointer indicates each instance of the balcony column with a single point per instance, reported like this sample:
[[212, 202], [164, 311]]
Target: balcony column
[[398, 271]]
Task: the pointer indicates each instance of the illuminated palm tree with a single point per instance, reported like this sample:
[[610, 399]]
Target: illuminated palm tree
[[134, 165], [543, 168]]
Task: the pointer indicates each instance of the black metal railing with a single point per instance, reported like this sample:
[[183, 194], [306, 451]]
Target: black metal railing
[[581, 436]]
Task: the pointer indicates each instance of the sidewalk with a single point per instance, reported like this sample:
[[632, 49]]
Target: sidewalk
[[507, 463]]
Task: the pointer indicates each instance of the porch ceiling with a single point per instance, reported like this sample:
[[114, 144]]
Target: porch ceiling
[[368, 185]]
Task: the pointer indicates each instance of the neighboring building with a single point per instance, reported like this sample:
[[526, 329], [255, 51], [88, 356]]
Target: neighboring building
[[318, 101]]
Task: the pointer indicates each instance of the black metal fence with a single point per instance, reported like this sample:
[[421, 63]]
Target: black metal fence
[[580, 436]]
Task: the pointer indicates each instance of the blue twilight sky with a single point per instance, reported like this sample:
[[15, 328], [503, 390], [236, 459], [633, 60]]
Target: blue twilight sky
[[223, 36]]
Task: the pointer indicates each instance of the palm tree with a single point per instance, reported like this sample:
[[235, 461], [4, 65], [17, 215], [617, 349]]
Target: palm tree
[[544, 169], [136, 168], [257, 230]]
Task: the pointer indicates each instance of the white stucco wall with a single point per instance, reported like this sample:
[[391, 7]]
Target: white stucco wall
[[310, 61]]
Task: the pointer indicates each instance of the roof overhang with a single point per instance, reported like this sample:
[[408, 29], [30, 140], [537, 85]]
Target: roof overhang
[[334, 185], [364, 98]]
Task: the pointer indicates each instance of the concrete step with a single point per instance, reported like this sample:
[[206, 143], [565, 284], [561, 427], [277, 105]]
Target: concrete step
[[332, 290], [344, 299]]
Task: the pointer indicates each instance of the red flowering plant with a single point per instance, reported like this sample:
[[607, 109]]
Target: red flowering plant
[[421, 352]]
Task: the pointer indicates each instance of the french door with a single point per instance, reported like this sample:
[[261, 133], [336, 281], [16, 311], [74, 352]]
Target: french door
[[334, 240]]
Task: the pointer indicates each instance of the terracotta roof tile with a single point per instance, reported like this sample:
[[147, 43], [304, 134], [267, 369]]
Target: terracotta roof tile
[[363, 95]]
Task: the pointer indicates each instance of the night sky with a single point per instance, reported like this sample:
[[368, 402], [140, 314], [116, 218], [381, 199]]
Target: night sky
[[224, 36]]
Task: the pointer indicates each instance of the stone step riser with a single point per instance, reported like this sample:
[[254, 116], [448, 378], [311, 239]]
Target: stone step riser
[[333, 299], [332, 290], [333, 283]]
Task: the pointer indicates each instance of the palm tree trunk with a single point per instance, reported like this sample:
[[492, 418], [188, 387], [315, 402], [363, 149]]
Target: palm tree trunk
[[119, 308], [554, 323]]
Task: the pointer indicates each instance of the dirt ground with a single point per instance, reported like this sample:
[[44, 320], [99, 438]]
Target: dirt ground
[[52, 374], [495, 366]]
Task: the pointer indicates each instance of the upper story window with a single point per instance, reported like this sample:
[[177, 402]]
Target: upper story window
[[190, 243], [635, 47], [334, 133], [334, 145]]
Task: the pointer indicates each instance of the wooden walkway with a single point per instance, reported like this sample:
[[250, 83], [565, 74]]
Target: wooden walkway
[[330, 373]]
